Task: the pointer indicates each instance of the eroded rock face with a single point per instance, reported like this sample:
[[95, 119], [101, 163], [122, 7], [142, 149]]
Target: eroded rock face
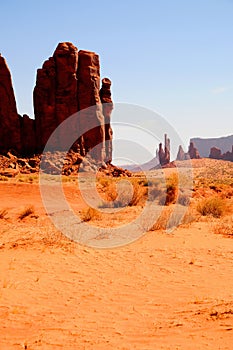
[[193, 151], [27, 135], [215, 153], [68, 82], [181, 155], [164, 154], [106, 99], [191, 154], [91, 119], [9, 119], [55, 95]]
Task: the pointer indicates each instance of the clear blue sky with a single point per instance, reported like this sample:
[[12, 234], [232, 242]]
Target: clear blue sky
[[172, 56]]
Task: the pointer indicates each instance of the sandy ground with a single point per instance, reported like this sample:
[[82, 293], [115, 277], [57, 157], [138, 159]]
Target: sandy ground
[[164, 291]]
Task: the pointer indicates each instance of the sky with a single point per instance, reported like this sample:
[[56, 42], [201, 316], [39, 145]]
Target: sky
[[174, 57]]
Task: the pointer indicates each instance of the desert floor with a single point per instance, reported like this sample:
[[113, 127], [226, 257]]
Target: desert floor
[[163, 291]]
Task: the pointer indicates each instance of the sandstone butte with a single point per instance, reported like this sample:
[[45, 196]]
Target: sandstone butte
[[191, 154], [216, 153], [68, 82]]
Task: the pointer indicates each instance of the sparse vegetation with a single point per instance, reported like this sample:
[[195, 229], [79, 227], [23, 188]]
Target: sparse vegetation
[[225, 227], [27, 211], [214, 206], [3, 213], [3, 178], [89, 214]]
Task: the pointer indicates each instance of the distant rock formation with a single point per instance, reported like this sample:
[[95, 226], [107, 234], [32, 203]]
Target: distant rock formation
[[164, 154], [193, 151], [204, 145], [216, 153], [191, 154], [181, 155], [68, 82]]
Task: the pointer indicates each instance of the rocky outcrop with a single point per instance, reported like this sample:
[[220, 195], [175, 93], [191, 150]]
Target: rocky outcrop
[[191, 154], [193, 151], [181, 155], [164, 154], [216, 153], [106, 99], [27, 135], [68, 82], [204, 145], [91, 119], [55, 95], [9, 119], [228, 155]]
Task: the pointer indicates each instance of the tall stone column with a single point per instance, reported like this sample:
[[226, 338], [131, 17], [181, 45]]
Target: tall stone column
[[105, 96]]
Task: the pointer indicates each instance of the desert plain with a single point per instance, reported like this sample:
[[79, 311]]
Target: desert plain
[[166, 290]]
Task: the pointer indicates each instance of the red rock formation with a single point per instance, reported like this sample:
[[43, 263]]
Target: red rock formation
[[9, 119], [55, 94], [68, 82], [215, 153], [164, 155], [88, 95], [193, 151], [105, 96], [181, 155], [28, 135]]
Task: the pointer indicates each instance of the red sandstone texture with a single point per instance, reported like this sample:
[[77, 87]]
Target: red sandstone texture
[[9, 119], [68, 82], [106, 99]]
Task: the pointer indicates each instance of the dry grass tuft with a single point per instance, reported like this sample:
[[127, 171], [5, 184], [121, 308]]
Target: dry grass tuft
[[89, 214], [28, 211], [3, 213], [3, 178], [139, 193], [213, 206], [225, 227]]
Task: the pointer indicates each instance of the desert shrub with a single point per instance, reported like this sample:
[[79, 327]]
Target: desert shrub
[[168, 197], [122, 196], [161, 222], [168, 219], [214, 206], [3, 213], [89, 214], [103, 181], [29, 210], [171, 194], [225, 227], [138, 194]]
